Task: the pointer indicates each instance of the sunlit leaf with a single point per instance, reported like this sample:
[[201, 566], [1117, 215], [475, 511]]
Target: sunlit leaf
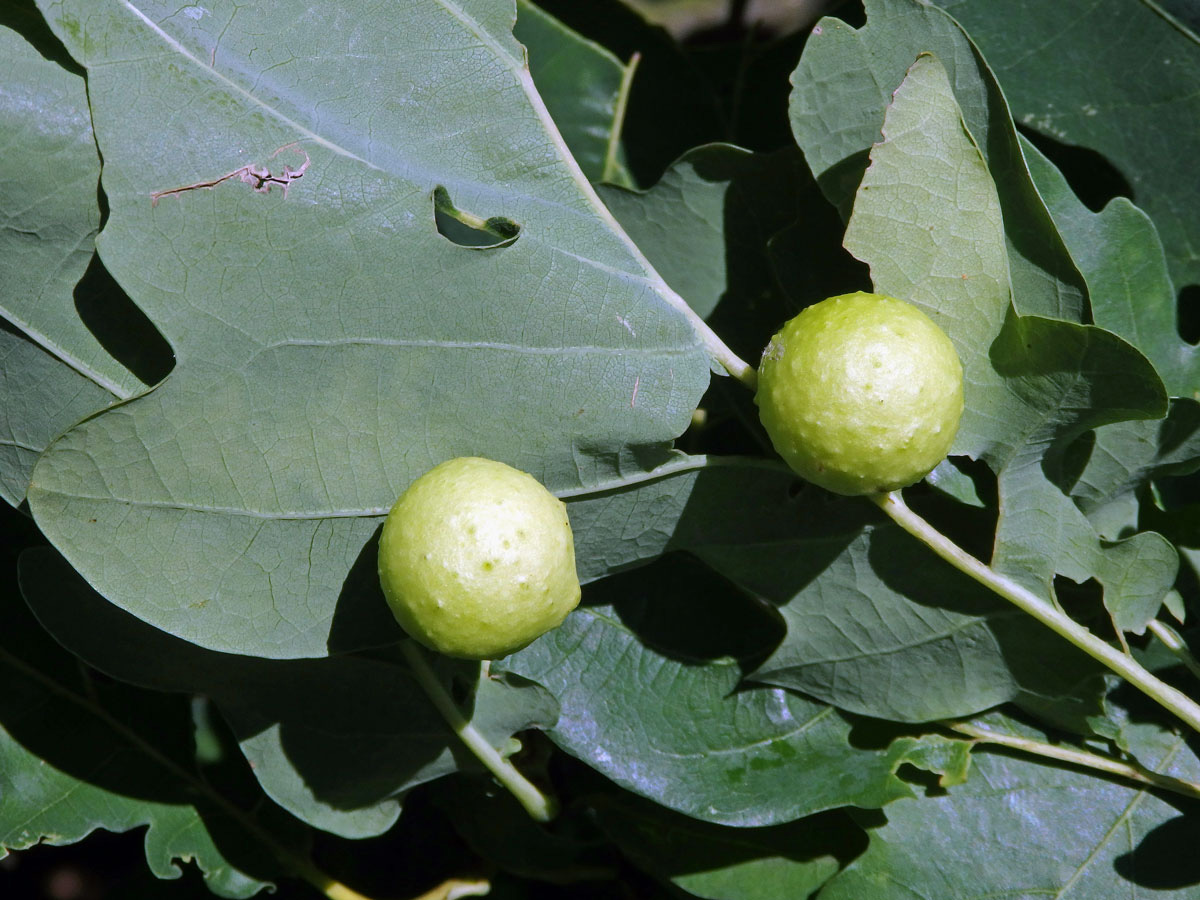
[[332, 344], [1122, 841]]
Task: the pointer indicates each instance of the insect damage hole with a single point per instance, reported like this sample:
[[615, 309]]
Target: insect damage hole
[[469, 230], [260, 178]]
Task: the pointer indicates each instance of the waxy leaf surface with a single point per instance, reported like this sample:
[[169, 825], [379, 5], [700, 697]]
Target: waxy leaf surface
[[1138, 107], [332, 344], [1122, 841], [662, 714]]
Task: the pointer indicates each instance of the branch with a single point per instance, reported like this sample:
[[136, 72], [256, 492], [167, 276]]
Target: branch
[[1130, 771], [1062, 624]]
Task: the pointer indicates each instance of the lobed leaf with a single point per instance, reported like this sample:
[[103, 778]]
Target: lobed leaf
[[1118, 459], [1122, 842], [1119, 253], [650, 697], [844, 84], [925, 209], [873, 634], [331, 343], [334, 741], [77, 754], [1138, 107], [57, 372], [48, 181], [927, 221], [40, 397]]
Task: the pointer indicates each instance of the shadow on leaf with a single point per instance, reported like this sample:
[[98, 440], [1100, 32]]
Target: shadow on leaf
[[354, 731]]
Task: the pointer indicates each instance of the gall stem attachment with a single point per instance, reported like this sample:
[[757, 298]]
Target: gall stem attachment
[[537, 804]]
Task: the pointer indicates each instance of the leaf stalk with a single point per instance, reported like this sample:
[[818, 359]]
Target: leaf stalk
[[1057, 621], [1128, 770], [1172, 641], [612, 173], [537, 804]]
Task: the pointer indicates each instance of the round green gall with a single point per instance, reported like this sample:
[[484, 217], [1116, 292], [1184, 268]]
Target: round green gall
[[476, 559], [861, 393]]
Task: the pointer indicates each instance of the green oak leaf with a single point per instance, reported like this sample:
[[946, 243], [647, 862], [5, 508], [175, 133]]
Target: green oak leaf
[[1119, 459], [1112, 75], [716, 862], [927, 219], [689, 504], [950, 480], [650, 697], [927, 209], [585, 88], [873, 634], [841, 90], [1119, 253], [331, 343], [1122, 842], [53, 371], [49, 213], [707, 223], [40, 397], [336, 741], [78, 753]]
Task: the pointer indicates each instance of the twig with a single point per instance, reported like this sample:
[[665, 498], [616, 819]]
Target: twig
[[1130, 771], [537, 804], [1127, 667]]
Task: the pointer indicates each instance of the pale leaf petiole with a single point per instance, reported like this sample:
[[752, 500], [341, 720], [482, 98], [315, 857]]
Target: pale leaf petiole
[[1048, 614], [537, 804], [1130, 771]]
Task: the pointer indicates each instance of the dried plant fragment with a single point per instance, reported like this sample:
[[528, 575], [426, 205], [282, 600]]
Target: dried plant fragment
[[260, 178]]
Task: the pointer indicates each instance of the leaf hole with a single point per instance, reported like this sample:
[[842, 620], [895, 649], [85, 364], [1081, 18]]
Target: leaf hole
[[1188, 304], [469, 230]]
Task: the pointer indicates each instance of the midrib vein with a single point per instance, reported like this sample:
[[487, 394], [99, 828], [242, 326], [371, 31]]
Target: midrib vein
[[658, 284], [235, 88], [433, 344], [581, 493]]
